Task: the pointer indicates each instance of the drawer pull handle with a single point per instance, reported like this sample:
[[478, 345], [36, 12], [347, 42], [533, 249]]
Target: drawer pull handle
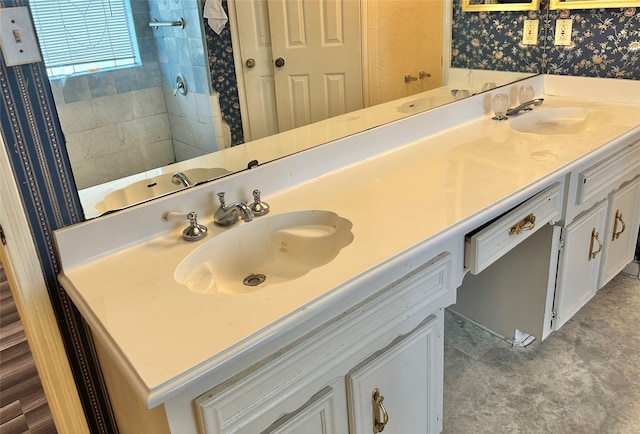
[[380, 416], [526, 224], [615, 234], [594, 236]]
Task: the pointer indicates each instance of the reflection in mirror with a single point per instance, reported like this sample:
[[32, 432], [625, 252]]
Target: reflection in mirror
[[127, 126], [500, 5], [592, 4]]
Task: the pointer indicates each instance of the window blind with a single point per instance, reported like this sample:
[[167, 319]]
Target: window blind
[[85, 33]]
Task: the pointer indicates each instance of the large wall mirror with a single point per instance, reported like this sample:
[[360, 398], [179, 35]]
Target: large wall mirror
[[130, 129]]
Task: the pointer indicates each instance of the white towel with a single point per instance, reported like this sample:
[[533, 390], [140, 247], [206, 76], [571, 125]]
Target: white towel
[[215, 14]]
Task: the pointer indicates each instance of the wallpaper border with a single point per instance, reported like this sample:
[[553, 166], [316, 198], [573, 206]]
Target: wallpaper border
[[36, 148]]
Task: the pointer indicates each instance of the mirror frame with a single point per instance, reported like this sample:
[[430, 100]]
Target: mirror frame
[[589, 4], [533, 6]]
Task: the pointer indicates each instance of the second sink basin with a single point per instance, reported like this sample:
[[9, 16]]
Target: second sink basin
[[266, 251], [552, 121]]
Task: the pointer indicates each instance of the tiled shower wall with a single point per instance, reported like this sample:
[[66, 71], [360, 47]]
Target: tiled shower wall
[[194, 118], [125, 121]]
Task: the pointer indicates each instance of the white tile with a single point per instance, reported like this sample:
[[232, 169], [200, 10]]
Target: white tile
[[149, 102], [204, 110], [184, 151], [157, 154], [114, 108], [146, 130], [77, 116], [95, 143], [181, 129], [187, 105], [204, 137]]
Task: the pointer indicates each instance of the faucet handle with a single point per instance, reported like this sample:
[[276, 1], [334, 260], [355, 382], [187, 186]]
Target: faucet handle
[[258, 207], [221, 197], [194, 231]]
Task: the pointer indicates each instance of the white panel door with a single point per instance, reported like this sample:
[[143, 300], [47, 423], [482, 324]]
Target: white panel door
[[257, 67], [406, 376], [579, 263], [316, 47], [622, 230]]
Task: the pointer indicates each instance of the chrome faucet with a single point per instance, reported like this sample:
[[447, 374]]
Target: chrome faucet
[[180, 178], [228, 215], [525, 106]]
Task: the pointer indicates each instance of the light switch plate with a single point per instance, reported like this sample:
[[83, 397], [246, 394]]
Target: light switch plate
[[530, 32], [563, 32], [17, 37]]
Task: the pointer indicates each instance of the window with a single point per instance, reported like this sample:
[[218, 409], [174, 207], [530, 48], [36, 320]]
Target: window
[[79, 36]]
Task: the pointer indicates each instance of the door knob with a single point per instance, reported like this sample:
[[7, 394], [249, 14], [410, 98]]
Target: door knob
[[250, 63], [279, 62]]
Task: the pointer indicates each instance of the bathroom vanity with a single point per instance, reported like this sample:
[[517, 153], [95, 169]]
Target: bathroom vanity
[[444, 208]]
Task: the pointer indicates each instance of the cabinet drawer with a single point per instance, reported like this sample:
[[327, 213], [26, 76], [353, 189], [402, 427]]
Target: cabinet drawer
[[489, 243], [607, 175]]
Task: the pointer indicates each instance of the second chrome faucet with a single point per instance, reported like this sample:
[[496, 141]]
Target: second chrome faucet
[[228, 215]]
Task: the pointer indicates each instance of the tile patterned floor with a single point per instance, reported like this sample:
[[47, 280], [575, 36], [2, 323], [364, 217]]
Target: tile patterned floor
[[584, 378]]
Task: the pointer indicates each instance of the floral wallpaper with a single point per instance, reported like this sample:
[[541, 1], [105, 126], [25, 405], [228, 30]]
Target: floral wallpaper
[[492, 41], [605, 42], [223, 77]]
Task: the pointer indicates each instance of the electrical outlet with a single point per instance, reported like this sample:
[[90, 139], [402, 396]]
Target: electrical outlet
[[563, 32], [530, 32], [17, 37]]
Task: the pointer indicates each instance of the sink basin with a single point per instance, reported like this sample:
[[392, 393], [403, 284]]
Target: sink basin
[[425, 103], [153, 187], [560, 121], [266, 251]]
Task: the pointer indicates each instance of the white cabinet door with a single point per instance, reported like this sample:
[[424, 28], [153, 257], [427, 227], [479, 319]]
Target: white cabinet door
[[400, 386], [579, 263], [622, 230], [324, 413]]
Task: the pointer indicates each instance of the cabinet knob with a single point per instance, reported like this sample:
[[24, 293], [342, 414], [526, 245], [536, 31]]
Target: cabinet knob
[[594, 237], [380, 415], [616, 234]]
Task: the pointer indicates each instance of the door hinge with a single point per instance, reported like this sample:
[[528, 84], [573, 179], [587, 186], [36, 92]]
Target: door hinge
[[554, 315], [3, 240]]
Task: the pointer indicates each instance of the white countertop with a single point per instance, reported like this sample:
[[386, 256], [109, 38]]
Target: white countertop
[[399, 201]]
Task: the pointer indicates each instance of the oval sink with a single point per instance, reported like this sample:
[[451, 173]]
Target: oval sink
[[153, 187], [560, 121], [266, 251]]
